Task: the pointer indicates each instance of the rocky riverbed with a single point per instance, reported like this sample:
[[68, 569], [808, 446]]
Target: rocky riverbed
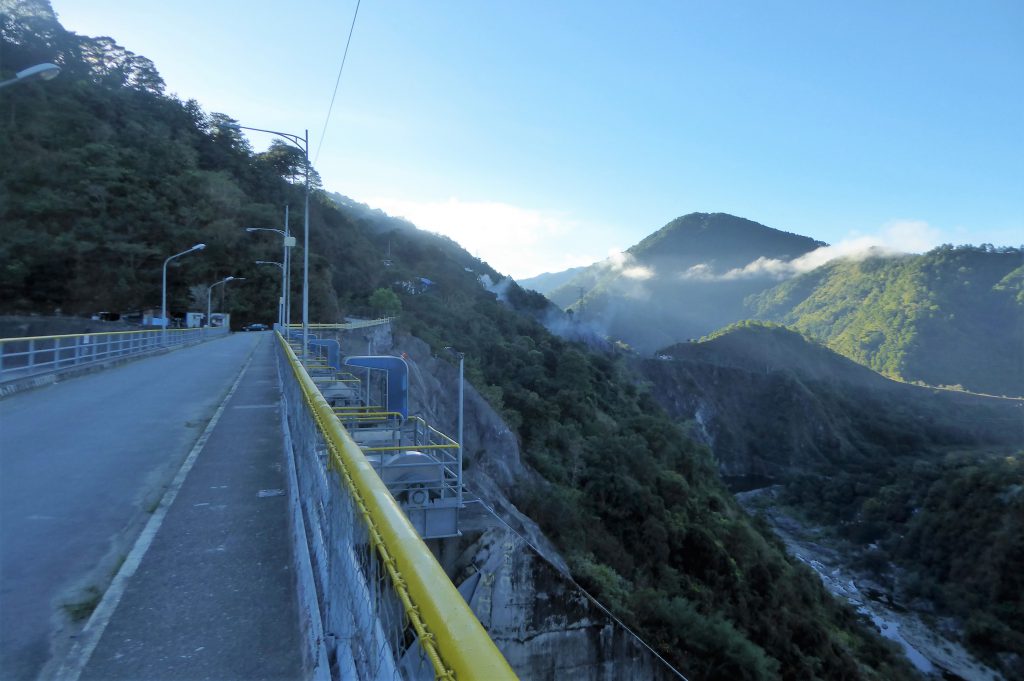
[[932, 653]]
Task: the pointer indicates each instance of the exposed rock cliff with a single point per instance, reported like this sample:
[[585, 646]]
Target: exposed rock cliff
[[508, 571], [547, 628]]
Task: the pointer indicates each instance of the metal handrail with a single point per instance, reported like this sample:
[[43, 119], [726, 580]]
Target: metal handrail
[[30, 356], [106, 333], [456, 643], [361, 324], [348, 415]]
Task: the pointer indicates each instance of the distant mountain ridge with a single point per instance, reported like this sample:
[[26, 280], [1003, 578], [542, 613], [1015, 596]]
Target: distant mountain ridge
[[723, 241], [951, 317], [549, 281], [685, 280]]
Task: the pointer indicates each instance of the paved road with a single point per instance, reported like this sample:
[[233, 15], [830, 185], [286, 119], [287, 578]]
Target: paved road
[[214, 597], [81, 465]]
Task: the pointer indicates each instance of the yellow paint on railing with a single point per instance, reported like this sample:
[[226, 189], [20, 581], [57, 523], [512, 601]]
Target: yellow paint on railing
[[363, 323], [457, 645]]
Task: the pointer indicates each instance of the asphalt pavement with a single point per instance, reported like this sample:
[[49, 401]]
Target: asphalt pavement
[[83, 465], [214, 595]]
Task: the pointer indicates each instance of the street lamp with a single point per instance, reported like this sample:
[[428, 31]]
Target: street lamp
[[462, 383], [301, 143], [163, 298], [41, 71], [289, 241], [209, 296], [281, 306]]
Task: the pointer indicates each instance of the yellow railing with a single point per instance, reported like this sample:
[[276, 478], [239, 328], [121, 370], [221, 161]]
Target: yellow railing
[[361, 324], [457, 645]]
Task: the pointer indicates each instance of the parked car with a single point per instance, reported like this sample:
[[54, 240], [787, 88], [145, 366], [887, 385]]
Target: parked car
[[257, 327]]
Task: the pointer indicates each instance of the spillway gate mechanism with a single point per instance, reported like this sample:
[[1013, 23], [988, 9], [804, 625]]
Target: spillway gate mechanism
[[420, 465]]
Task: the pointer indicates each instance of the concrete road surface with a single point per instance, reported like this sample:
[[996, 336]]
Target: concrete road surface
[[214, 596], [82, 463]]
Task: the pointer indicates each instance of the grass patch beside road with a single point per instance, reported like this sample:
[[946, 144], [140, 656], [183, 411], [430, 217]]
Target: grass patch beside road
[[81, 609]]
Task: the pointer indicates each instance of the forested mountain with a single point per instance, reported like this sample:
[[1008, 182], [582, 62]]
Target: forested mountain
[[683, 281], [104, 175], [953, 316], [923, 485]]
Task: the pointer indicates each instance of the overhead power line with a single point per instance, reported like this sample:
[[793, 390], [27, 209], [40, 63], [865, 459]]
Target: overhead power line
[[337, 82]]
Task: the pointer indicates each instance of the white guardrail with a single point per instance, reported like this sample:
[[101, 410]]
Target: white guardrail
[[35, 355]]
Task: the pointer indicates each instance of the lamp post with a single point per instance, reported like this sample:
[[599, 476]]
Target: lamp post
[[462, 383], [163, 297], [301, 143], [41, 71], [280, 307], [289, 241], [209, 296]]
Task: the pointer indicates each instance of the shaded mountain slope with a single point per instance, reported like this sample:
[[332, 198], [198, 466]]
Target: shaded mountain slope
[[772, 403]]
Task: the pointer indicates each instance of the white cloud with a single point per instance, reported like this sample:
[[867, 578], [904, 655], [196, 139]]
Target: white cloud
[[638, 273], [702, 271], [894, 238], [623, 263], [514, 240], [617, 260]]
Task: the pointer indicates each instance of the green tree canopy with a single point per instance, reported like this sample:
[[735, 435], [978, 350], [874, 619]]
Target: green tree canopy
[[385, 302]]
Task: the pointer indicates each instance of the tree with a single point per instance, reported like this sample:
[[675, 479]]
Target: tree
[[385, 302]]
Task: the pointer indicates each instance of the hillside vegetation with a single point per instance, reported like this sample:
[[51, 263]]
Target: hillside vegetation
[[923, 486], [942, 532], [953, 316], [636, 506], [108, 175], [104, 176]]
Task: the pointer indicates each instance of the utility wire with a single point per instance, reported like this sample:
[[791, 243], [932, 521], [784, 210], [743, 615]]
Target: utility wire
[[586, 593], [337, 82]]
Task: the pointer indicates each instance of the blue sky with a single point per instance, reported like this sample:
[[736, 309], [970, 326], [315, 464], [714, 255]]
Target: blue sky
[[542, 135]]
